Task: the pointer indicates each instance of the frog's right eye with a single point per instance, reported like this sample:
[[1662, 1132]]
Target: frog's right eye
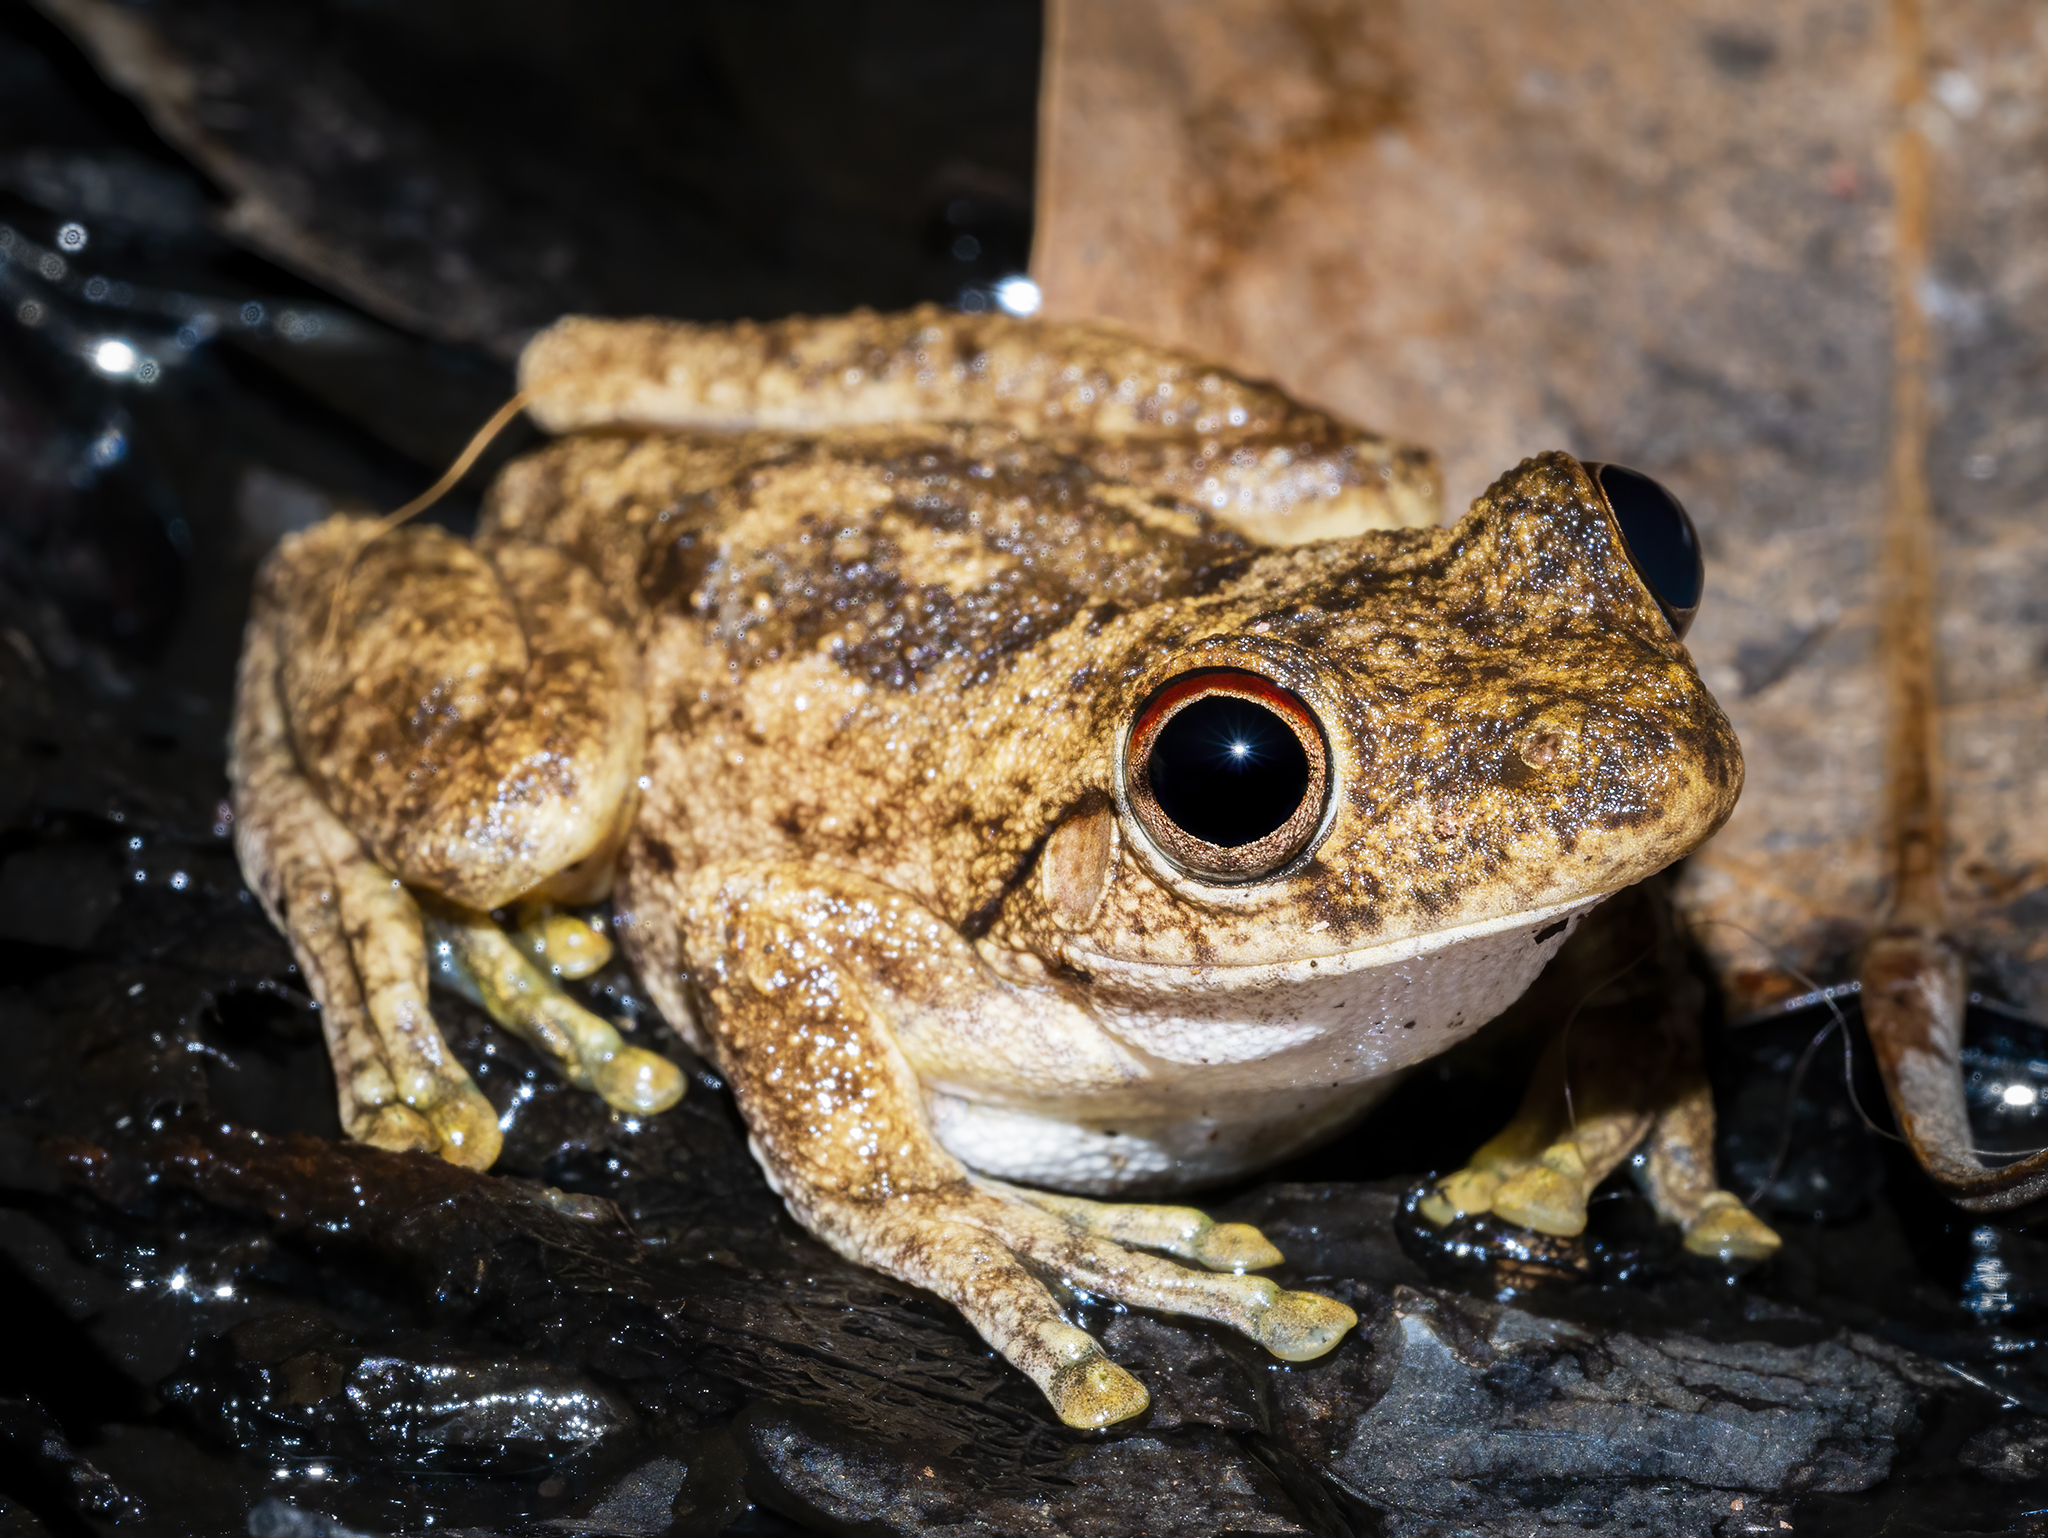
[[1661, 542], [1228, 773]]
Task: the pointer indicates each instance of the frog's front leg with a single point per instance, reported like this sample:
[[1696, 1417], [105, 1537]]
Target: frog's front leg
[[826, 993], [413, 718]]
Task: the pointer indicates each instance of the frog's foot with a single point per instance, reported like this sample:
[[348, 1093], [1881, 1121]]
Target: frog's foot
[[984, 1247], [1534, 1175], [1469, 1192], [514, 981]]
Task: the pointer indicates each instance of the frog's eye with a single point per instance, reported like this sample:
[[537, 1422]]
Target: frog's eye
[[1227, 771], [1661, 542]]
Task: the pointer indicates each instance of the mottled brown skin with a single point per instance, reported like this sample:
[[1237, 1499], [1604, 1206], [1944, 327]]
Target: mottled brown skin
[[826, 638], [1445, 662]]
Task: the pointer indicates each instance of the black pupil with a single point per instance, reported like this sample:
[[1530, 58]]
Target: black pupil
[[1227, 770], [1660, 537]]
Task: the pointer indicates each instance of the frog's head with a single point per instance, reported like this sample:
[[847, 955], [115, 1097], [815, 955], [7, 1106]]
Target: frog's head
[[1370, 745]]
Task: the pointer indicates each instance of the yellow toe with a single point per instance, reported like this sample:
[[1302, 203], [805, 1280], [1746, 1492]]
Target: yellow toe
[[1095, 1392], [1727, 1230], [1542, 1199], [396, 1128], [1235, 1247], [466, 1128], [639, 1081], [568, 945], [1466, 1194], [1301, 1326]]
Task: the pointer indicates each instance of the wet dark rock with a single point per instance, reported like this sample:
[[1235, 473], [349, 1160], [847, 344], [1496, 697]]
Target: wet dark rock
[[1184, 1483], [845, 1390], [288, 1383], [1466, 1411], [668, 1495], [2015, 1453], [38, 1459], [276, 1519]]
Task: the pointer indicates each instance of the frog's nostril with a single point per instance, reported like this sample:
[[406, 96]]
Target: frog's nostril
[[1660, 540]]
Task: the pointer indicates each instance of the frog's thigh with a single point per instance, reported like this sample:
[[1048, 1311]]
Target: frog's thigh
[[356, 934], [804, 969], [476, 719]]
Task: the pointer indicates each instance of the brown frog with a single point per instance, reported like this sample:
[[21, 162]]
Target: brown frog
[[1021, 759]]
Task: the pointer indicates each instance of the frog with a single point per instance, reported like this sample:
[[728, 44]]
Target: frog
[[1040, 771]]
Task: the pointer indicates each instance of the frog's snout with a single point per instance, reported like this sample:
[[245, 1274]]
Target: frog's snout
[[1658, 537]]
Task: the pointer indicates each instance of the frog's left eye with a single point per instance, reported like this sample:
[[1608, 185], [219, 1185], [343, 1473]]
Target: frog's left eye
[[1228, 773], [1661, 542]]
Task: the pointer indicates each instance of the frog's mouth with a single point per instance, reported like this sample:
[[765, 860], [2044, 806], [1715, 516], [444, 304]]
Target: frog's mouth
[[1395, 1003]]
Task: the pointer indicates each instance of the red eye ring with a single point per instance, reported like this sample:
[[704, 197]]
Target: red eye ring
[[1227, 772], [1232, 681]]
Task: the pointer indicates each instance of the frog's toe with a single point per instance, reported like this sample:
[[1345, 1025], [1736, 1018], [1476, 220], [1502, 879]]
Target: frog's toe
[[563, 943], [1726, 1230], [1301, 1326], [405, 1094], [1468, 1193], [1544, 1199], [1183, 1232], [1064, 1237], [481, 961], [1087, 1390], [945, 1244], [396, 1129], [634, 1079], [465, 1127], [1234, 1247]]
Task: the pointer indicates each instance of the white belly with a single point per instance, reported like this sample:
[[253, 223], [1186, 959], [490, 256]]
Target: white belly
[[1251, 1064]]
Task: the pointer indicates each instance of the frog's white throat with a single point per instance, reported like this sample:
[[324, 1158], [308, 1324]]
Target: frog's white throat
[[1252, 1063]]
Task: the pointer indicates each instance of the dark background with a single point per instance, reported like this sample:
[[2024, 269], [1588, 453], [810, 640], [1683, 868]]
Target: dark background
[[458, 175]]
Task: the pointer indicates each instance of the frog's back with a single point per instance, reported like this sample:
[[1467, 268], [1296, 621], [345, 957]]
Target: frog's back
[[878, 639]]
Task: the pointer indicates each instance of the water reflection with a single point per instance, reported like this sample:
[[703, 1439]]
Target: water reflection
[[46, 293]]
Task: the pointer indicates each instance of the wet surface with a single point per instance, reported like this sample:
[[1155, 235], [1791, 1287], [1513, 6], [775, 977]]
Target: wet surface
[[221, 1319]]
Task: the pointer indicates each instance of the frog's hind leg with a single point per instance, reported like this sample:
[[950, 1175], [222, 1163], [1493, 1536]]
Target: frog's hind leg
[[415, 717], [1148, 419], [356, 934]]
